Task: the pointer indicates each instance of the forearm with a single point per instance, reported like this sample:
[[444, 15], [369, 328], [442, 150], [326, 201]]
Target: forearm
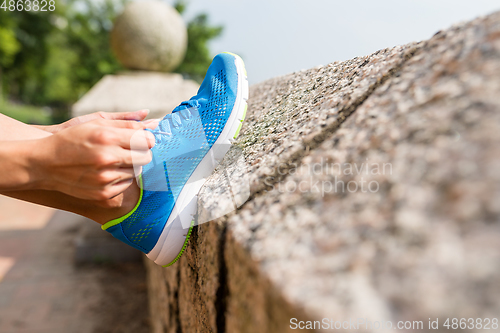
[[99, 211], [13, 130], [16, 165], [18, 146], [92, 160]]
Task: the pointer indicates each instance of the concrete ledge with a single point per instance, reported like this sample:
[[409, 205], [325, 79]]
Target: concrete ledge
[[423, 245], [136, 90]]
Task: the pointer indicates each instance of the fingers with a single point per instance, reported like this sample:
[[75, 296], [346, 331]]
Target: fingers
[[121, 124], [96, 193], [115, 176], [137, 170], [108, 184], [95, 179], [136, 158], [122, 147], [128, 116], [123, 137], [135, 140], [123, 158], [151, 123], [113, 190], [136, 115]]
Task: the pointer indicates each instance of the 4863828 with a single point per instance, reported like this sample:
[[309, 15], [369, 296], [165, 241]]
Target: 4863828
[[28, 5]]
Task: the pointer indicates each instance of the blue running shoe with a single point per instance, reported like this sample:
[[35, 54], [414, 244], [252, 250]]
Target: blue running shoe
[[189, 143]]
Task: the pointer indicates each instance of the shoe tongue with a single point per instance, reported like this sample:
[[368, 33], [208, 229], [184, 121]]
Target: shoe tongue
[[192, 103]]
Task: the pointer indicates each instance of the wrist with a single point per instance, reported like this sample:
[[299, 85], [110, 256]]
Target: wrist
[[15, 164], [33, 163], [49, 128]]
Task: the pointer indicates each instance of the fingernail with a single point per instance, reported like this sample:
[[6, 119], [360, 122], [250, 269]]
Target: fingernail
[[152, 123], [147, 111]]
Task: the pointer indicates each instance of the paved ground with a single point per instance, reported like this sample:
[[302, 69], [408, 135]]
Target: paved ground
[[41, 290]]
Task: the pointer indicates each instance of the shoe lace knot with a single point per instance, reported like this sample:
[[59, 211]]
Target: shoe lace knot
[[180, 115]]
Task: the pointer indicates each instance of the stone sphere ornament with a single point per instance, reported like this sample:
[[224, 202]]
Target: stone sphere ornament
[[149, 35]]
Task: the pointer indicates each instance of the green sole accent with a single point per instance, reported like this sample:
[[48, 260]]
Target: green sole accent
[[183, 247], [237, 131], [244, 112], [119, 220]]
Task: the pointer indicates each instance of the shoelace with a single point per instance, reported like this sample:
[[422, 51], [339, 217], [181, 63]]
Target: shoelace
[[184, 110], [192, 103]]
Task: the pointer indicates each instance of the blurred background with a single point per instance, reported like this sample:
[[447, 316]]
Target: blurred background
[[48, 60], [58, 271]]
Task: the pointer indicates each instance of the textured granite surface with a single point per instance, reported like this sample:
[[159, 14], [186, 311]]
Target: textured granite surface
[[413, 133], [287, 117], [423, 239]]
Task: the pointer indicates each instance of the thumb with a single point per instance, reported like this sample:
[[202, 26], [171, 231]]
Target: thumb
[[120, 123]]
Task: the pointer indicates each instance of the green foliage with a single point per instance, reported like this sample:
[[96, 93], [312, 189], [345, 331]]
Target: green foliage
[[26, 114], [9, 45], [53, 58], [22, 75], [81, 54], [87, 36], [198, 56]]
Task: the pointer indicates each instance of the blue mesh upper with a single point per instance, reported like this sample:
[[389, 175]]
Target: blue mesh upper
[[183, 138]]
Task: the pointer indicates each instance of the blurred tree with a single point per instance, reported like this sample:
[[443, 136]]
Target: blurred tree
[[22, 62], [81, 55], [53, 58], [9, 45]]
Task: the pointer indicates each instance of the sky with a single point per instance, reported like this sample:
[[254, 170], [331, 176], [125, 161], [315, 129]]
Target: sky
[[277, 37]]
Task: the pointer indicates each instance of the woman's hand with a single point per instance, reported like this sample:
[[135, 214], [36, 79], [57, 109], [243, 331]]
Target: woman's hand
[[137, 116], [91, 160]]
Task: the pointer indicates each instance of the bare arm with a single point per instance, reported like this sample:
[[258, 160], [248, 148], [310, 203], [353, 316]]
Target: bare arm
[[90, 160], [137, 116], [16, 165], [98, 210], [13, 130], [16, 143]]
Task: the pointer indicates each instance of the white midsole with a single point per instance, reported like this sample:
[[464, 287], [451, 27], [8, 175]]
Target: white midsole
[[174, 233]]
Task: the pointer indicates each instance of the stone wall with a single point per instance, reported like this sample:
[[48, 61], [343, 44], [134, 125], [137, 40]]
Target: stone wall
[[424, 243]]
